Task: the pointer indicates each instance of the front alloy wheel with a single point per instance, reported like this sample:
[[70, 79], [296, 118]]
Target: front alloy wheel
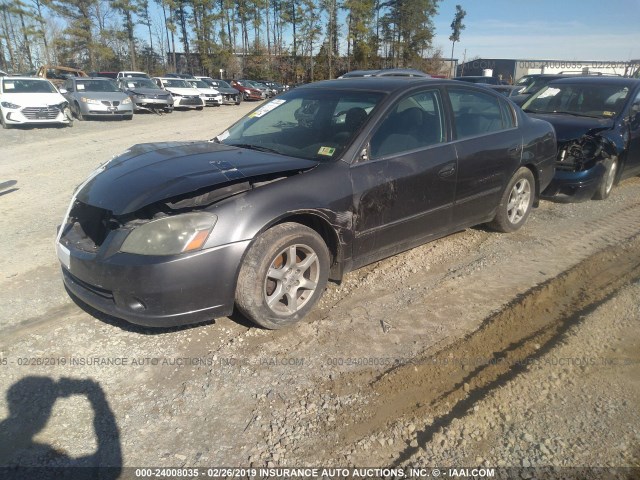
[[283, 275], [292, 279], [608, 180], [516, 202]]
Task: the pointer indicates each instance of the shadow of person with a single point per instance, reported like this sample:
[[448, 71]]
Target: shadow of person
[[30, 402]]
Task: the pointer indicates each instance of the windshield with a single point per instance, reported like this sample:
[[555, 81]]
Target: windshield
[[140, 83], [537, 84], [526, 80], [587, 100], [135, 75], [220, 83], [176, 83], [199, 84], [305, 123], [96, 86], [10, 85]]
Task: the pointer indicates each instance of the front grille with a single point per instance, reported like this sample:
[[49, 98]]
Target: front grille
[[40, 113], [110, 104], [104, 293], [190, 101]]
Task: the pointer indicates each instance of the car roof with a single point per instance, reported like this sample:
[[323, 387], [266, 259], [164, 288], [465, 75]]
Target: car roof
[[27, 77], [86, 79], [388, 84], [598, 80]]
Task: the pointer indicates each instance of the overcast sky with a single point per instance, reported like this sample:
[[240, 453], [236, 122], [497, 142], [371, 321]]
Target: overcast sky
[[607, 30]]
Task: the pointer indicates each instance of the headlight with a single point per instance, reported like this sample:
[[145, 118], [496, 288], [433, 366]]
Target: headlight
[[126, 101], [90, 101], [139, 95], [12, 106], [172, 235]]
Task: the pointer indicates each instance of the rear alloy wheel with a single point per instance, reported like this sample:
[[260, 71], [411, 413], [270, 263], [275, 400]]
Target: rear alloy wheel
[[283, 275], [608, 179], [516, 202]]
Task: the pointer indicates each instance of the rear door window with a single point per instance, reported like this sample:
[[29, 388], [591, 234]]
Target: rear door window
[[476, 113]]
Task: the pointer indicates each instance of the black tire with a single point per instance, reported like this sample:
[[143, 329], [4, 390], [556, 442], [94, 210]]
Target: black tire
[[268, 279], [516, 202], [128, 117], [168, 110], [608, 179], [77, 113], [199, 108]]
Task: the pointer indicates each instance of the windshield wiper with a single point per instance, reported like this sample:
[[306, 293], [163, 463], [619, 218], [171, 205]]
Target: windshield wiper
[[259, 148], [575, 114]]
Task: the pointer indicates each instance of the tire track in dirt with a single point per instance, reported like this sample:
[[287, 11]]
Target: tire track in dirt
[[607, 251]]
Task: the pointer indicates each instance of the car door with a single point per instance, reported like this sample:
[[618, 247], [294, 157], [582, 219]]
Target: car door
[[489, 148], [403, 191], [633, 154]]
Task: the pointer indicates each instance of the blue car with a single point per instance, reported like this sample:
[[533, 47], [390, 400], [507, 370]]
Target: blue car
[[597, 123]]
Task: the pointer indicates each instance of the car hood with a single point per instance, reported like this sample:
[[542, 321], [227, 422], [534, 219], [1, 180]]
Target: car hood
[[33, 99], [110, 96], [570, 127], [151, 172], [209, 91], [227, 91], [184, 91], [148, 91]]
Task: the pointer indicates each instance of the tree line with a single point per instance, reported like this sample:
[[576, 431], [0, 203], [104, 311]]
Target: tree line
[[287, 40]]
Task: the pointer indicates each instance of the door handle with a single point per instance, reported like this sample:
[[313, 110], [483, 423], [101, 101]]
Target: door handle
[[447, 170]]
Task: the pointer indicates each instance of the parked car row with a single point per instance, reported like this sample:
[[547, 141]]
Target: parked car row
[[36, 100]]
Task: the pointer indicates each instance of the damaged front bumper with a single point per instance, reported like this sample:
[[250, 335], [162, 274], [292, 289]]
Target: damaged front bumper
[[155, 291], [575, 186]]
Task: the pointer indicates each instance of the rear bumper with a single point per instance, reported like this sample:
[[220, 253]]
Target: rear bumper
[[156, 291], [575, 186]]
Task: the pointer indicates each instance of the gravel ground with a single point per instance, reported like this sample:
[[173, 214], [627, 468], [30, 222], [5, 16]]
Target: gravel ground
[[350, 385]]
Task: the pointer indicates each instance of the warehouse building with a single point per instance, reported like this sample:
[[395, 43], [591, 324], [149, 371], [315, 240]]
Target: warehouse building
[[510, 70]]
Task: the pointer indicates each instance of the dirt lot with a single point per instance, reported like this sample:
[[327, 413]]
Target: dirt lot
[[477, 350]]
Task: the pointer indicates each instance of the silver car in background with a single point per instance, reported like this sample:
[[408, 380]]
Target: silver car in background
[[146, 95], [96, 97]]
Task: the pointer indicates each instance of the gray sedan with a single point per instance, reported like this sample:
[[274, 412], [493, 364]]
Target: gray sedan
[[96, 97], [146, 95]]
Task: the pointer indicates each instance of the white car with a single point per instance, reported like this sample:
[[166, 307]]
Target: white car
[[30, 100], [210, 96], [184, 95], [131, 74]]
